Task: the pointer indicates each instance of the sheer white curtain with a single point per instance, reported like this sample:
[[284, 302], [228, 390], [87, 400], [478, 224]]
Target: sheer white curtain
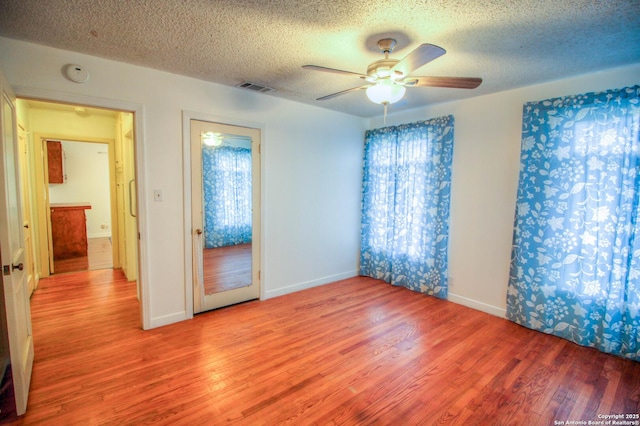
[[405, 205], [575, 269]]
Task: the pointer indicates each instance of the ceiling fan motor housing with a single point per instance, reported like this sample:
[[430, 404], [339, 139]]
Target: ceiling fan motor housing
[[382, 69]]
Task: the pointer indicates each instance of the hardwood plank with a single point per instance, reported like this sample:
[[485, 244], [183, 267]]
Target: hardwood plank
[[100, 253], [99, 256], [353, 352]]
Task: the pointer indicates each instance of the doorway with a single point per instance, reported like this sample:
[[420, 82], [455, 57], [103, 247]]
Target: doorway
[[90, 140], [80, 206], [225, 206]]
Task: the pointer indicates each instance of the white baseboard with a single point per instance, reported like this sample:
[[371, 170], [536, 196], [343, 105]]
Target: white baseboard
[[167, 319], [309, 284], [100, 235], [480, 306]]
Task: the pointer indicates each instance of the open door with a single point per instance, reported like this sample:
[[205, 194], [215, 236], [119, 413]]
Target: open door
[[126, 165], [27, 227], [14, 280]]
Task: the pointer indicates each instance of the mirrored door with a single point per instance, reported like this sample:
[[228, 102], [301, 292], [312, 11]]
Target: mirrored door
[[225, 182]]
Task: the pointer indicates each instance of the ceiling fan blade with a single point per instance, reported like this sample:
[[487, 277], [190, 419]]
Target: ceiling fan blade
[[451, 82], [420, 56], [332, 70], [333, 95]]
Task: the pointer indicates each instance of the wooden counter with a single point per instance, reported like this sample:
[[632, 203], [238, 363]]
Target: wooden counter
[[69, 230]]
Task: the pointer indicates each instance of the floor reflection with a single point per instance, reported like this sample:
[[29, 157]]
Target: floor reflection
[[227, 268]]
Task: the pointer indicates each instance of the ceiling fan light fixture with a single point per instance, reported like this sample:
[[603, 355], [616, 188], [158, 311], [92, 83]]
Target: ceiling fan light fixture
[[389, 77], [211, 139], [385, 92]]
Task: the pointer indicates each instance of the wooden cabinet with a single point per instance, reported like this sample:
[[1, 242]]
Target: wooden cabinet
[[54, 158], [69, 230]]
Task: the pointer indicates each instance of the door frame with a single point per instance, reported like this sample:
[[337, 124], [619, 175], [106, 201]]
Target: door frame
[[43, 214], [138, 129], [187, 116]]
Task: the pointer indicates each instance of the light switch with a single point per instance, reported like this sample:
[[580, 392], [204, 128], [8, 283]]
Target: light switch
[[157, 195]]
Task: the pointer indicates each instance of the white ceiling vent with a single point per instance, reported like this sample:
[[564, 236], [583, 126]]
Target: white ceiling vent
[[255, 87]]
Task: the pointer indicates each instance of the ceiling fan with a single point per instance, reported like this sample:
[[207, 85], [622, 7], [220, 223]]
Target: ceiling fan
[[388, 78]]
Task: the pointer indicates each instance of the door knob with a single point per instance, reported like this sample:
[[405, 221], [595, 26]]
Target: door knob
[[19, 267]]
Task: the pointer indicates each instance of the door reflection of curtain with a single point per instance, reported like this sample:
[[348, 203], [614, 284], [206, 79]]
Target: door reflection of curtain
[[227, 195]]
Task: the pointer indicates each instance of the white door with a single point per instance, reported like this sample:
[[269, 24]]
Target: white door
[[29, 250], [225, 180], [14, 281], [131, 221], [126, 198]]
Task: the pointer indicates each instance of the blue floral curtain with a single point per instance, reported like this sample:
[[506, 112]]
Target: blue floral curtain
[[405, 205], [575, 268], [226, 182]]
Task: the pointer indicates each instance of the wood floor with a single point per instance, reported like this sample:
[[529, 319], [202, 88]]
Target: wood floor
[[355, 352], [99, 256]]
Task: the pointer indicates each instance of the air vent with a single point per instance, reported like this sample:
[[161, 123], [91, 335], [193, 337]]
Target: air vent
[[255, 87]]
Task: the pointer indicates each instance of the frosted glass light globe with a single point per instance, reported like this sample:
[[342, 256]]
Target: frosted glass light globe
[[385, 92]]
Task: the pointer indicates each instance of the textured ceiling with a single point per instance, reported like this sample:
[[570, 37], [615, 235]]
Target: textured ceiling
[[508, 43]]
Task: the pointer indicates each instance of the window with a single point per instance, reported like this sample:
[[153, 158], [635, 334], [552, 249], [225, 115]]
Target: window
[[405, 207], [575, 269]]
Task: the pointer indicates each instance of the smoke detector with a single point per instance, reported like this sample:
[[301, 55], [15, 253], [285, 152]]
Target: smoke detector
[[76, 73]]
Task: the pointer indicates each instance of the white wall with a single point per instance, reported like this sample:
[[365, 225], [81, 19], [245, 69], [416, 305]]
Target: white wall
[[311, 173], [485, 179], [86, 167], [312, 170], [59, 123]]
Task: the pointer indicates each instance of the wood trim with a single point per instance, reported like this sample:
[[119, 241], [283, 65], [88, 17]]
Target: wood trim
[[55, 162]]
